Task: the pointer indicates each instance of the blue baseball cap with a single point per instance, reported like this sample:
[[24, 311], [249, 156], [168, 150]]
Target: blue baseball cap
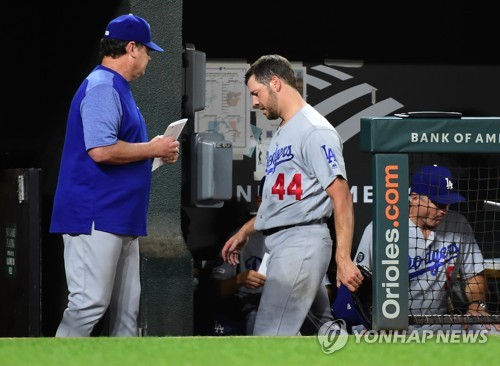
[[435, 182], [130, 27], [344, 308]]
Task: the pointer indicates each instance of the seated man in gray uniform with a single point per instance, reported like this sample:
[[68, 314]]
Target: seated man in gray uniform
[[441, 246], [244, 281]]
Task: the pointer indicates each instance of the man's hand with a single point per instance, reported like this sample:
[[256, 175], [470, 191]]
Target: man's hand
[[476, 309], [251, 279], [166, 148], [348, 274], [232, 248]]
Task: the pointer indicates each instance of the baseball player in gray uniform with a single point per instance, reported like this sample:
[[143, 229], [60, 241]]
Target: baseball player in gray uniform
[[244, 279], [441, 244], [305, 179]]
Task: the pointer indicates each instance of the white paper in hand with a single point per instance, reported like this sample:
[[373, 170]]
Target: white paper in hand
[[174, 129], [263, 264]]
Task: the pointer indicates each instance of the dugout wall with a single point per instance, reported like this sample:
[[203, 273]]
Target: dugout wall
[[470, 147]]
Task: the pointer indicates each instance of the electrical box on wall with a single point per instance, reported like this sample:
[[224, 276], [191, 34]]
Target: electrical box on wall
[[211, 170], [194, 63]]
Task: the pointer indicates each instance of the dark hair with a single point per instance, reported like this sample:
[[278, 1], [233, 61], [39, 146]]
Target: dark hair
[[268, 66], [112, 47]]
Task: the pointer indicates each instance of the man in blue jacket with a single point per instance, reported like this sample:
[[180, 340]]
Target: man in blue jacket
[[102, 196]]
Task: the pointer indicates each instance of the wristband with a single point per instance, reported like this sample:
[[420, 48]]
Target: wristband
[[480, 303]]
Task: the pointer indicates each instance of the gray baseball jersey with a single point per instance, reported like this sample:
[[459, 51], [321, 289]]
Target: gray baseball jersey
[[304, 158], [451, 244]]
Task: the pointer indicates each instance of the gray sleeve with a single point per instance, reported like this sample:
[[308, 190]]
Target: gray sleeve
[[101, 116], [472, 262], [365, 247], [323, 152]]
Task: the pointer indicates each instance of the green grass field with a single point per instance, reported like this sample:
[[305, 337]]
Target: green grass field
[[257, 351]]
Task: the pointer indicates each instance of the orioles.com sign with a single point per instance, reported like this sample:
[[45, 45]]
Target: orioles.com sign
[[390, 250], [390, 306]]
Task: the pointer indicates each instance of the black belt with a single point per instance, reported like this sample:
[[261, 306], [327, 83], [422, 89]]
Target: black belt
[[274, 230]]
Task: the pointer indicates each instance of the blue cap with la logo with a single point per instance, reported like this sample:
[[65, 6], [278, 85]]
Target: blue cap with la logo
[[437, 183]]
